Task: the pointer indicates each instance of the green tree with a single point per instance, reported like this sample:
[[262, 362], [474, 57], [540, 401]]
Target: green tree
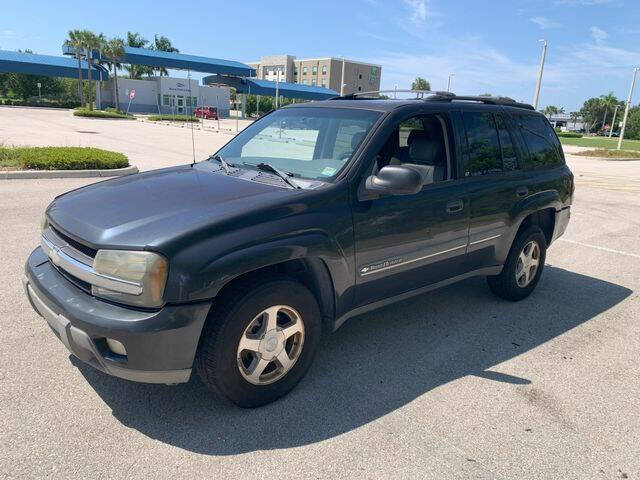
[[134, 39], [114, 51], [162, 44], [632, 130], [75, 41], [574, 118], [23, 86], [550, 110], [592, 112], [486, 95], [609, 102], [91, 42], [420, 84]]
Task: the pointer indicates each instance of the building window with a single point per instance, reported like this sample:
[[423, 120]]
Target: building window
[[360, 76], [166, 100], [324, 69], [314, 70], [304, 81], [304, 70], [359, 89], [314, 82], [324, 82]]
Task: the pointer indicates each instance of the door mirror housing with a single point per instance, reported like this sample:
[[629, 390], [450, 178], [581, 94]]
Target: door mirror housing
[[396, 180]]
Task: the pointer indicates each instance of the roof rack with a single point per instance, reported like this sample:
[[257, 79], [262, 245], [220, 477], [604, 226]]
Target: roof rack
[[429, 95]]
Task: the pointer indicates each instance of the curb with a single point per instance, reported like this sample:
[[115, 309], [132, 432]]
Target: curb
[[31, 174]]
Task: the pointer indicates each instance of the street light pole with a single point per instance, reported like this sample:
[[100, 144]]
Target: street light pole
[[613, 122], [539, 82], [626, 108], [342, 79], [449, 82]]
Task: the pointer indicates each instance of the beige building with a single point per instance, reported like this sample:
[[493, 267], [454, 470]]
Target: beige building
[[322, 72]]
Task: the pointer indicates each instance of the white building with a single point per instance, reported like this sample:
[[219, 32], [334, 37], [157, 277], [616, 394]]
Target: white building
[[165, 95]]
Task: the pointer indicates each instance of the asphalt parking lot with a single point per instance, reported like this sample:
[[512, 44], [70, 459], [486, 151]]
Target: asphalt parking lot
[[451, 384]]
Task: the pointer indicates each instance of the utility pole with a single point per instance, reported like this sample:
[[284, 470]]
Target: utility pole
[[613, 122], [449, 82], [539, 82], [395, 91], [342, 79], [277, 87], [626, 108]]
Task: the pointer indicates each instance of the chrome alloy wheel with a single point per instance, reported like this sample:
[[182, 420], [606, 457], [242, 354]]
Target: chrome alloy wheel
[[270, 345], [527, 265]]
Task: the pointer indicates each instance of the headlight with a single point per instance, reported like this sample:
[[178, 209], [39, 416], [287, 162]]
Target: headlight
[[146, 269]]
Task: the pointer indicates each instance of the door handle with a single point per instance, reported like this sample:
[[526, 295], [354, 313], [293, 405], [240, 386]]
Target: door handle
[[455, 206], [522, 191]]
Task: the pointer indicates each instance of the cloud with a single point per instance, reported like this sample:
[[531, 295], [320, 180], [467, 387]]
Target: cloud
[[598, 34], [418, 11], [544, 23]]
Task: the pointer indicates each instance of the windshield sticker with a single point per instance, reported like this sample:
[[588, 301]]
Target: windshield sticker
[[328, 171]]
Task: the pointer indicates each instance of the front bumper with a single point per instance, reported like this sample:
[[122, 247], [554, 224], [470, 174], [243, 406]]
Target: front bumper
[[160, 345]]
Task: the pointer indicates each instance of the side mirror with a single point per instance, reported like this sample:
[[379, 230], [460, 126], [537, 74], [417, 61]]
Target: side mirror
[[396, 180]]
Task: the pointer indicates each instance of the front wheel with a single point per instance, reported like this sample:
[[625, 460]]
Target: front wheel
[[523, 267], [259, 341]]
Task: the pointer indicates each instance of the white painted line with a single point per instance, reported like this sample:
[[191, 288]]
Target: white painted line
[[619, 252]]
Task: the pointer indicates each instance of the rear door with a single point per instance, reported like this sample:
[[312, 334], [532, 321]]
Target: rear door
[[495, 184]]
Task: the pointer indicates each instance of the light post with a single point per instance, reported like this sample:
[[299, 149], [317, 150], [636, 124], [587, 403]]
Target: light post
[[626, 108], [449, 82], [539, 82], [342, 84], [395, 91], [613, 122], [39, 92]]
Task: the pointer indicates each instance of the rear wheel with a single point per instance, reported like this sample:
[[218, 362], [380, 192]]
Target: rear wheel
[[523, 267], [260, 341]]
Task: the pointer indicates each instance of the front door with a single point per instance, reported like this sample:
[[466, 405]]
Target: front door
[[407, 242], [180, 104]]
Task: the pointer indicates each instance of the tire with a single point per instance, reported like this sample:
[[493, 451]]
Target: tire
[[506, 285], [223, 367]]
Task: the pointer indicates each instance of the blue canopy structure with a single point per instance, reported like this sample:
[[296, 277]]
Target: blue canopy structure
[[49, 65], [156, 58], [256, 86]]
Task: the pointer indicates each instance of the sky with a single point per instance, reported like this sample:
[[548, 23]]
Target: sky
[[488, 46]]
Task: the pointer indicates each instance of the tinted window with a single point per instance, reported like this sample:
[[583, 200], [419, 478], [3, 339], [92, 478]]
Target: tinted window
[[484, 147], [509, 157], [544, 147]]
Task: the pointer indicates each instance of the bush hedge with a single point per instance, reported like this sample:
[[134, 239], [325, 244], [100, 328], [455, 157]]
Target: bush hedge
[[569, 134], [44, 103], [606, 153], [85, 112], [173, 118], [60, 158]]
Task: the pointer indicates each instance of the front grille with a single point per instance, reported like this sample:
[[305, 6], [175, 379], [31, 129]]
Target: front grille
[[75, 244], [81, 284]]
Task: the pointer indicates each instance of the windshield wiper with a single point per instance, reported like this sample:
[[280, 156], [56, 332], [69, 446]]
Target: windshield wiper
[[265, 167], [225, 165]]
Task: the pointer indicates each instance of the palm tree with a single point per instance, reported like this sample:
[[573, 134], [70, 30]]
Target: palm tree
[[550, 110], [74, 40], [608, 101], [574, 118], [162, 44], [91, 42], [138, 41], [114, 50]]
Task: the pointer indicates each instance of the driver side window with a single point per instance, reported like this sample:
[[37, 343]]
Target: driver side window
[[421, 142]]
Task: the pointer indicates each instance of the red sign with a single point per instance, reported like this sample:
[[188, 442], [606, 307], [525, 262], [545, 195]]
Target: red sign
[[132, 94]]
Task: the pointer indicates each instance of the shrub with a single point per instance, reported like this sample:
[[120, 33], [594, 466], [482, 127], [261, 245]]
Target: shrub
[[35, 103], [569, 134], [173, 118], [85, 112], [605, 153], [61, 158]]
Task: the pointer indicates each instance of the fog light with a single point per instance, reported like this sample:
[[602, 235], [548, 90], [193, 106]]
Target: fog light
[[116, 347]]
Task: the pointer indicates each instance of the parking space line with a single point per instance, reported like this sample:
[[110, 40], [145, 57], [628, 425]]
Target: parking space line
[[611, 250]]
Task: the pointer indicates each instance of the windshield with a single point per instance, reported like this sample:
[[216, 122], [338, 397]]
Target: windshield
[[308, 142]]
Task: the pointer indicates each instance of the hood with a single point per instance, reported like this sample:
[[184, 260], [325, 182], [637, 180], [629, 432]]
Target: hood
[[150, 208]]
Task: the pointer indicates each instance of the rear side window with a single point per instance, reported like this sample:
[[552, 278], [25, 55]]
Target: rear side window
[[543, 144], [484, 146], [509, 157]]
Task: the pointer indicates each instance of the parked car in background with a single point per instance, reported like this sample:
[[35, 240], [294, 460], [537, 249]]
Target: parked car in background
[[206, 112], [234, 267]]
